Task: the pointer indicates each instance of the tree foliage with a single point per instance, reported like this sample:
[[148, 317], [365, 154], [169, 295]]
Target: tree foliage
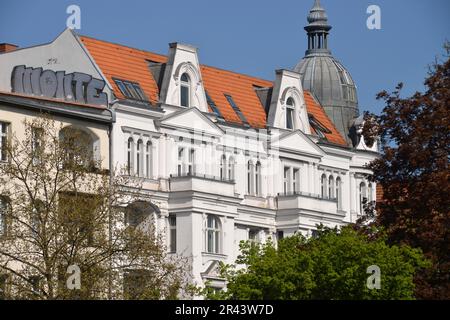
[[414, 173], [332, 265], [63, 210]]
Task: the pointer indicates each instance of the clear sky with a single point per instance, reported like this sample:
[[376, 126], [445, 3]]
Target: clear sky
[[255, 37]]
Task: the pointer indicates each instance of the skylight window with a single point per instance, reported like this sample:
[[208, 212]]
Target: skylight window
[[236, 109], [320, 129], [213, 106], [131, 90]]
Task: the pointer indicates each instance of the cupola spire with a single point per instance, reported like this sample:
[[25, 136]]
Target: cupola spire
[[317, 29]]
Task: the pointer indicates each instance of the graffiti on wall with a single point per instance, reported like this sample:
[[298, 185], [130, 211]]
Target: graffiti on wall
[[76, 86]]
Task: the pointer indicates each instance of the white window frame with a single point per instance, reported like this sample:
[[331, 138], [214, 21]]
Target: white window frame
[[223, 167], [187, 86], [130, 156], [172, 233], [362, 196], [213, 234], [323, 186], [139, 158], [180, 166], [191, 162], [290, 111], [231, 168], [296, 180], [339, 192], [258, 178], [148, 159]]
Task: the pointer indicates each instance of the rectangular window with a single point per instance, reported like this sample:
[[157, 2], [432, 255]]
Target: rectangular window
[[184, 96], [3, 140], [280, 235], [286, 180], [213, 106], [253, 235], [131, 90], [191, 164], [289, 118], [296, 180], [236, 109], [173, 233], [180, 161]]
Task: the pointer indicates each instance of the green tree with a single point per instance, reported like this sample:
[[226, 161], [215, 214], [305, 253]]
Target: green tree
[[332, 265]]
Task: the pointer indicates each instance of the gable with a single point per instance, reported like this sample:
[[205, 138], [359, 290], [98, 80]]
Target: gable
[[190, 119], [299, 142]]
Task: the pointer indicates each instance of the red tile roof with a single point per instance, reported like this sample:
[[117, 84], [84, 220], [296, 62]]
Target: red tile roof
[[319, 113], [131, 64]]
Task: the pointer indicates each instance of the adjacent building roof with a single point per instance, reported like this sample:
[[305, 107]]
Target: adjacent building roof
[[122, 62]]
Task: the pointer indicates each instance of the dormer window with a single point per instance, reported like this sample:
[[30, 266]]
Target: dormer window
[[290, 113], [185, 90]]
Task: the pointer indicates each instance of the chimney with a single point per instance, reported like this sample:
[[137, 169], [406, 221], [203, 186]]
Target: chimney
[[7, 47]]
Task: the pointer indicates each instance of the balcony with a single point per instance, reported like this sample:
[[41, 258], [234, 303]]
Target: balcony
[[202, 183], [307, 202]]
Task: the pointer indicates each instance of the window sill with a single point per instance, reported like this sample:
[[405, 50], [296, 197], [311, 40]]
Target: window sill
[[216, 255]]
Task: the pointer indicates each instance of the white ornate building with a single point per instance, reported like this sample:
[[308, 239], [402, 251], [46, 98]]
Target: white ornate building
[[224, 156]]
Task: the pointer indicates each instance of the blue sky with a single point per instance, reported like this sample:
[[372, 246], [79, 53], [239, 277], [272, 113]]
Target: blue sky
[[255, 37]]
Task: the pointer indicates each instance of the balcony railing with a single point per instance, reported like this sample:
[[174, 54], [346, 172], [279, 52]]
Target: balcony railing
[[202, 183], [306, 194], [202, 176]]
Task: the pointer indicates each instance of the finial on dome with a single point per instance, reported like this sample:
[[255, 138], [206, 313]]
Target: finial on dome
[[317, 29]]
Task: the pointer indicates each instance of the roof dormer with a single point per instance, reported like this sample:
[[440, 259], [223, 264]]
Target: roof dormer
[[287, 108], [182, 84]]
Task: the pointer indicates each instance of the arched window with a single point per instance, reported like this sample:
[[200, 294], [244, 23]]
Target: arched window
[[290, 113], [323, 185], [362, 197], [148, 159], [79, 147], [130, 156], [231, 168], [223, 166], [185, 89], [213, 234], [139, 212], [139, 156], [331, 187], [339, 192], [258, 183], [250, 171], [370, 193]]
